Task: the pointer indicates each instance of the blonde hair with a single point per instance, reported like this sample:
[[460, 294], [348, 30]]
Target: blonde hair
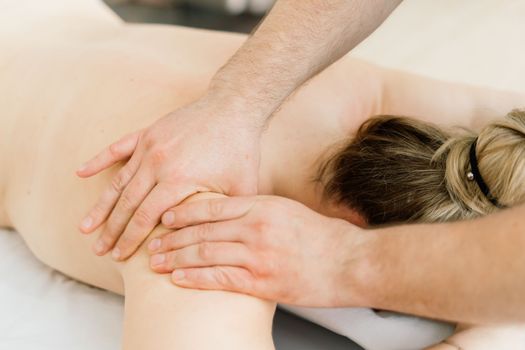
[[398, 169]]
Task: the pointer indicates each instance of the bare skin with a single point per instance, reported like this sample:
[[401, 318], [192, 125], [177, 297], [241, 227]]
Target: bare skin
[[295, 41], [84, 79]]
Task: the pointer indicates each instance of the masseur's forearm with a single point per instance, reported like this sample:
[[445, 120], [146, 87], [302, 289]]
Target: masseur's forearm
[[295, 41], [471, 271]]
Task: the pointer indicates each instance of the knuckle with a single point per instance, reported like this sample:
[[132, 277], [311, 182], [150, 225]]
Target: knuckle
[[114, 150], [148, 139], [126, 202], [270, 267], [222, 277], [232, 280], [260, 226], [205, 251], [143, 217], [203, 232], [215, 208], [116, 184], [158, 156], [119, 181], [260, 269]]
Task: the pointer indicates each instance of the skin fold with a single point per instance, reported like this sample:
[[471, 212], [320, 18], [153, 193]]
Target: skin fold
[[83, 78]]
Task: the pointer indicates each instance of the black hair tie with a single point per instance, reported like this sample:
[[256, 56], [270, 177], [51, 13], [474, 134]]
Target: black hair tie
[[475, 175]]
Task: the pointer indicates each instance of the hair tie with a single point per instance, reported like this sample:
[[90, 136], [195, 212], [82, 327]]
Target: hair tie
[[475, 175]]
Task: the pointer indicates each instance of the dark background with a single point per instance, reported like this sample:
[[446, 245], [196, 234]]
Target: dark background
[[186, 15]]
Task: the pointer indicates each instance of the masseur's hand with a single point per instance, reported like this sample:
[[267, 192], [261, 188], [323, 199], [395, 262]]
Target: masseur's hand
[[270, 247], [202, 147], [206, 147]]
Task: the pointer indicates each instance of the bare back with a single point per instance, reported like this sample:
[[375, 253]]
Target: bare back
[[82, 79]]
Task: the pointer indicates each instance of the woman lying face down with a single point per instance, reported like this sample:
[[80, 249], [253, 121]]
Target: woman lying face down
[[56, 112]]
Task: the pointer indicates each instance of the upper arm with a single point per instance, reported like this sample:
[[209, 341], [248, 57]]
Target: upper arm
[[161, 315], [444, 102]]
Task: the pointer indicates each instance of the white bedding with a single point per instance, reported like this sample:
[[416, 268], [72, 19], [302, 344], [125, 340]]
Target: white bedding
[[473, 41], [41, 309]]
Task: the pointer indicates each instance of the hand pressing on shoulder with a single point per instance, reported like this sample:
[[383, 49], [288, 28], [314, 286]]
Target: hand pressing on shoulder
[[266, 246], [202, 147]]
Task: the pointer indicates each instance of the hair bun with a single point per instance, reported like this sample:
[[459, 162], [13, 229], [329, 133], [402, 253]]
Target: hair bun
[[500, 155]]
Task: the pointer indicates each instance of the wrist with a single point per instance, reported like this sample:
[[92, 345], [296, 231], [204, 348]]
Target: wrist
[[359, 273], [234, 108]]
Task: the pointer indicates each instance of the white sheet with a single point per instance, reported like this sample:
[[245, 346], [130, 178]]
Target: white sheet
[[473, 41], [41, 309], [479, 42]]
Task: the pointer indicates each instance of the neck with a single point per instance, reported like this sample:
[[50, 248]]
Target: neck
[[292, 150], [289, 167], [289, 164]]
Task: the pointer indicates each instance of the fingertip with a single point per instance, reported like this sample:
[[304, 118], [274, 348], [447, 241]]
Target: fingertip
[[178, 276], [82, 174], [120, 254], [84, 231], [168, 219], [87, 173], [158, 269], [99, 248], [154, 245], [86, 226], [159, 263], [82, 167], [84, 170]]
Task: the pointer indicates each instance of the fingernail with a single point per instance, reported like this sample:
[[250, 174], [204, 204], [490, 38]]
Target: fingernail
[[86, 223], [154, 245], [157, 259], [115, 254], [178, 275], [99, 247], [168, 218], [82, 167]]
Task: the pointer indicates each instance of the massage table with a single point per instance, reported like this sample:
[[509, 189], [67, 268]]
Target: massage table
[[479, 42]]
